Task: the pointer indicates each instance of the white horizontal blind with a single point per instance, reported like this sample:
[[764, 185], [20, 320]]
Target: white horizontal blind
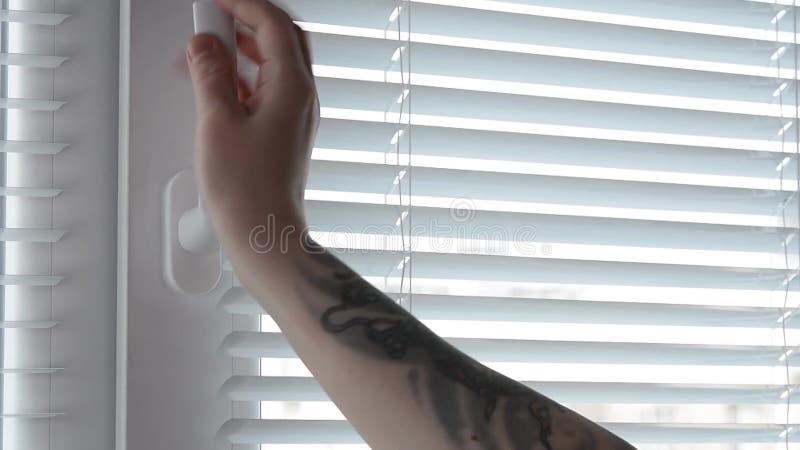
[[27, 147], [603, 206]]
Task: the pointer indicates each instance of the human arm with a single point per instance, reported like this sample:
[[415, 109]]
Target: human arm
[[398, 383]]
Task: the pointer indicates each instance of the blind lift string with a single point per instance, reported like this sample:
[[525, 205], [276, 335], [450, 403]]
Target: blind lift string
[[785, 312], [410, 169], [404, 171], [796, 123]]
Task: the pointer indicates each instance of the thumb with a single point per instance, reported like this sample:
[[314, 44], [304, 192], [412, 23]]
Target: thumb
[[213, 76]]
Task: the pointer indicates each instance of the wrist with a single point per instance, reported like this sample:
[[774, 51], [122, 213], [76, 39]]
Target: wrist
[[246, 226], [262, 249], [276, 234]]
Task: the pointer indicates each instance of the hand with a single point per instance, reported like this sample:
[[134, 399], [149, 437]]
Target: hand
[[252, 148]]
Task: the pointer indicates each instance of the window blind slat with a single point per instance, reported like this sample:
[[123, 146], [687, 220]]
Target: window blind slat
[[470, 110], [32, 147], [274, 345], [775, 2], [532, 75], [653, 280], [29, 280], [32, 17], [683, 175], [32, 371], [248, 431], [562, 196], [567, 131], [658, 239], [738, 19], [29, 192], [30, 104], [717, 18], [30, 235], [444, 307], [31, 416], [435, 147], [29, 325], [306, 389], [472, 283], [527, 34], [26, 60], [433, 242], [333, 194]]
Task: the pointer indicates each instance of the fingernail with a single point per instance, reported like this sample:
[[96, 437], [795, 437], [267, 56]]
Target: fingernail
[[201, 47]]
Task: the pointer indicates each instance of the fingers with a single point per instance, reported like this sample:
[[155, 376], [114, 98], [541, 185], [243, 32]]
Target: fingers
[[243, 90], [247, 45], [273, 30], [249, 48], [303, 39], [213, 77], [280, 50]]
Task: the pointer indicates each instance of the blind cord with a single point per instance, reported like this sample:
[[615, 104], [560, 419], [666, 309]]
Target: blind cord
[[52, 226], [796, 122], [403, 170], [410, 172], [784, 241], [3, 169], [398, 144], [785, 312]]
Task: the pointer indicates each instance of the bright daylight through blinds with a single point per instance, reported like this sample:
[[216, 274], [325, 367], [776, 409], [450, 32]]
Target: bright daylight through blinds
[[28, 65], [597, 198]]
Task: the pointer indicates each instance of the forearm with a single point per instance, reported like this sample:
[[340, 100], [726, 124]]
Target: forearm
[[396, 381]]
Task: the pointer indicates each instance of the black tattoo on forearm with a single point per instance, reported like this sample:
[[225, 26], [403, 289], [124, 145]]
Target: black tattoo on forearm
[[363, 311]]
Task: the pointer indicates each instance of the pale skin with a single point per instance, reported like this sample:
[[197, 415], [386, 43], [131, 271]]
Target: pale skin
[[399, 384]]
